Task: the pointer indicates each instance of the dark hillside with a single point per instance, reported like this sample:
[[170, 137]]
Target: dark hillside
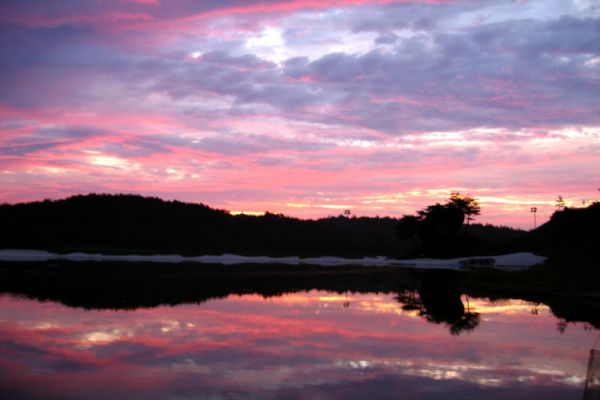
[[570, 232], [497, 235], [124, 223], [132, 223], [107, 221]]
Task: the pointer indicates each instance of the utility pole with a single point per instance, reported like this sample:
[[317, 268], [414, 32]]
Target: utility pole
[[534, 211]]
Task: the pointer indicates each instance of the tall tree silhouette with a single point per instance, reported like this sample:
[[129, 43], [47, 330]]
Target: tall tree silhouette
[[439, 225], [466, 203]]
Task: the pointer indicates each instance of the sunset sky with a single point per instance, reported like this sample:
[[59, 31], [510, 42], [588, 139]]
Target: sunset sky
[[304, 107]]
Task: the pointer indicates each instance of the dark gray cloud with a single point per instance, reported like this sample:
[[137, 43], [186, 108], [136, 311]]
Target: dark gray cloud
[[46, 67], [69, 132], [511, 74], [25, 149], [239, 144], [387, 38], [47, 138], [246, 78]]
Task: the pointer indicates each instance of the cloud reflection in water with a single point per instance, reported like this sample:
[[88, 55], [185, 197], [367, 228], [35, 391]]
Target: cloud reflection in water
[[302, 345]]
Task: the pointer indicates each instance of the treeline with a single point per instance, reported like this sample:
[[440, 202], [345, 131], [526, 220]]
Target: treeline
[[124, 223]]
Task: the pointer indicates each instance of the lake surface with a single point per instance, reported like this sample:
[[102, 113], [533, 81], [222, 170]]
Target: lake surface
[[308, 345]]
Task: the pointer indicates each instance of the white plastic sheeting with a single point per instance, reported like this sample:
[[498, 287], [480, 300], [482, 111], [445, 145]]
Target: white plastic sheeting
[[508, 261]]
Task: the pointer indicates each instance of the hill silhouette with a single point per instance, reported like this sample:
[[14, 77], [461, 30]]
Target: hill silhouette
[[121, 223], [132, 223], [571, 232]]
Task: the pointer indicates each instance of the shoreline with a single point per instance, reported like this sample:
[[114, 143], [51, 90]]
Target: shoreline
[[513, 261]]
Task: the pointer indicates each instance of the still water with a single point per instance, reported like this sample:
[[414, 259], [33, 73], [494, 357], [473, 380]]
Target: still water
[[311, 345]]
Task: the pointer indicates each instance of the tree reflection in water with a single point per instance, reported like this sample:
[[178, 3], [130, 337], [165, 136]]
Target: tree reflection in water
[[438, 299], [440, 308]]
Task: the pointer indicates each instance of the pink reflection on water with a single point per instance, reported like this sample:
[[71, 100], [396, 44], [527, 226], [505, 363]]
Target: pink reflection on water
[[302, 345]]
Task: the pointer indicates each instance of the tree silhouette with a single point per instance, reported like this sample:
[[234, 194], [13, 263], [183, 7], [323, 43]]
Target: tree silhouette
[[439, 225], [560, 203], [466, 203], [441, 220], [408, 226]]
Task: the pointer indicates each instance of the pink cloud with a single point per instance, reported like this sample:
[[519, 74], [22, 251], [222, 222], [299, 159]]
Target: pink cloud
[[116, 11]]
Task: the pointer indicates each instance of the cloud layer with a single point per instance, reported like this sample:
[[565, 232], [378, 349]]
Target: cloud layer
[[303, 106]]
